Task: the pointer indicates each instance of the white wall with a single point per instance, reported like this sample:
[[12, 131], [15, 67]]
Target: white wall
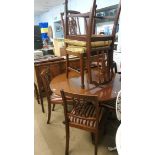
[[79, 5]]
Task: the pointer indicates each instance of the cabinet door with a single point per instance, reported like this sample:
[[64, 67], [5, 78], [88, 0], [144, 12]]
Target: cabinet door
[[57, 68]]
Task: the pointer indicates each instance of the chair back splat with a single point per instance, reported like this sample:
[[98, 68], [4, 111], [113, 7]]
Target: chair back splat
[[46, 78], [91, 48]]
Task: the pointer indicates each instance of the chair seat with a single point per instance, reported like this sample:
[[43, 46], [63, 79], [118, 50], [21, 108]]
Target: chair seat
[[85, 115], [83, 43], [80, 49], [56, 98]]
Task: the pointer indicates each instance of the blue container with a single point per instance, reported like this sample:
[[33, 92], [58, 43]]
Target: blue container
[[44, 36], [44, 30], [43, 25]]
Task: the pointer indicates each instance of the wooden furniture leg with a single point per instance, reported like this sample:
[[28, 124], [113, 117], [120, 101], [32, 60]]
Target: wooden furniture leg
[[41, 98], [53, 107], [49, 113], [67, 65], [96, 142], [67, 139], [37, 93], [82, 69]]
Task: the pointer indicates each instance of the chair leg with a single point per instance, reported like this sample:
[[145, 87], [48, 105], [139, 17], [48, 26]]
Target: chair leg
[[93, 138], [49, 113], [82, 70], [36, 92], [42, 105], [89, 67], [53, 107], [96, 142], [67, 139], [67, 65]]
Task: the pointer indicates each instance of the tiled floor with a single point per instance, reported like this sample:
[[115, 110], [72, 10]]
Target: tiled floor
[[50, 139]]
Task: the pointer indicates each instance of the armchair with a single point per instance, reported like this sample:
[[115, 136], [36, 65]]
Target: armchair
[[85, 115]]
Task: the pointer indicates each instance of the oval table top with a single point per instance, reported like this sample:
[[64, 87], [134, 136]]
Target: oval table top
[[72, 84]]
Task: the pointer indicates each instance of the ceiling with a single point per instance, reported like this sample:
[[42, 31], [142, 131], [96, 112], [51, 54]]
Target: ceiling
[[41, 6]]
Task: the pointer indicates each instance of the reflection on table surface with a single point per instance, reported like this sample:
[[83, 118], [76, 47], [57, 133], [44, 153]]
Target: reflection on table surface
[[72, 84]]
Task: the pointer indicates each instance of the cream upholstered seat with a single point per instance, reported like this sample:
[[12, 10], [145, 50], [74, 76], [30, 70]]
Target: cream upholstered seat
[[83, 43], [82, 50], [77, 46]]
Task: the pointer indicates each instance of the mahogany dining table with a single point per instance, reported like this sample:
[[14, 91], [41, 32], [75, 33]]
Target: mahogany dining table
[[105, 93]]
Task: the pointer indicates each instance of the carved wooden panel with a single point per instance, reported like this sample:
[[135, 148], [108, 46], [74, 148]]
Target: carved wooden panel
[[72, 25]]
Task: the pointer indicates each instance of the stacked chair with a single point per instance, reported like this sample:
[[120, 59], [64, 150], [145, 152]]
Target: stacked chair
[[89, 46]]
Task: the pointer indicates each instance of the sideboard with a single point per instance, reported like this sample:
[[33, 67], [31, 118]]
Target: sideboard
[[56, 65]]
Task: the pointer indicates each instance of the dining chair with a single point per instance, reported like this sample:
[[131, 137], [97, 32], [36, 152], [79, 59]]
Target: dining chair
[[52, 98], [85, 115], [88, 44]]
